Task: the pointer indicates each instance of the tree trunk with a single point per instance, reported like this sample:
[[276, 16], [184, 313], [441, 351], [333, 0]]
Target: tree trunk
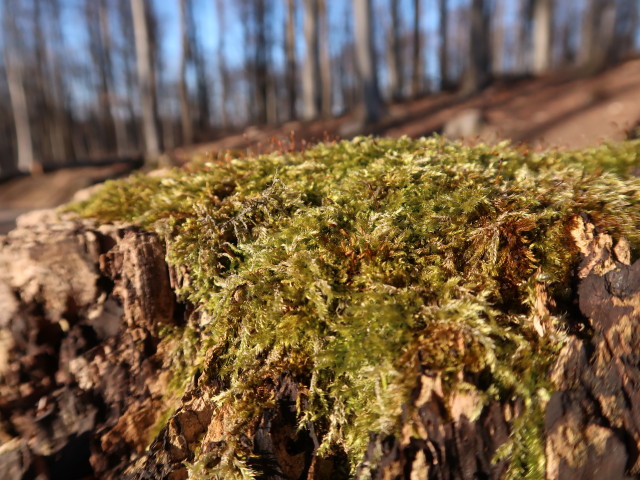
[[444, 45], [261, 60], [371, 103], [542, 31], [416, 79], [325, 59], [290, 51], [15, 82], [394, 65], [204, 88], [185, 57], [478, 68], [128, 59], [311, 92], [525, 15], [497, 36], [597, 35], [20, 110], [120, 133], [225, 89], [146, 79]]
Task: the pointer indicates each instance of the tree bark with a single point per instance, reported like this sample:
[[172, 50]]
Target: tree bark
[[146, 79], [597, 35], [394, 65], [371, 103], [225, 88], [120, 133], [17, 95], [311, 90], [290, 52], [542, 31], [478, 68], [325, 59], [185, 57], [417, 67], [444, 45]]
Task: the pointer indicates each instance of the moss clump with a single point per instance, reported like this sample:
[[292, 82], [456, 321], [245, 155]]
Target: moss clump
[[352, 265]]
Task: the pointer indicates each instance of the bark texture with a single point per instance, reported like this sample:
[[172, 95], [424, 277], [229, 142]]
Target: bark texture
[[593, 421], [84, 376], [81, 381]]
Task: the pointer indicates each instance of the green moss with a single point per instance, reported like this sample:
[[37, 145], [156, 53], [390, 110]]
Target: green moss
[[352, 265]]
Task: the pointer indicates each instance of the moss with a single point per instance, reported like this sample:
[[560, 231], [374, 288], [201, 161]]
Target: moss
[[354, 264]]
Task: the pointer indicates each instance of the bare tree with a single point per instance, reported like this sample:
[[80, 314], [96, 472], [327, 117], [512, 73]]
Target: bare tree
[[12, 43], [203, 85], [146, 78], [325, 59], [55, 116], [347, 71], [597, 34], [525, 16], [444, 45], [109, 77], [290, 52], [394, 61], [478, 72], [185, 58], [542, 31], [127, 70], [311, 92], [371, 102], [416, 79], [258, 41], [223, 74], [497, 34]]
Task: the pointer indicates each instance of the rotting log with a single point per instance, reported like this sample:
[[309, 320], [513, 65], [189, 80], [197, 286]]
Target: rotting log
[[80, 378], [83, 379]]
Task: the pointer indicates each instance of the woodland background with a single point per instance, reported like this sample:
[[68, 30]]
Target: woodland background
[[93, 80]]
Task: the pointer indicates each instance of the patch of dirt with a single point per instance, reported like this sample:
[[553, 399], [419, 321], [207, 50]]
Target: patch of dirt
[[22, 194]]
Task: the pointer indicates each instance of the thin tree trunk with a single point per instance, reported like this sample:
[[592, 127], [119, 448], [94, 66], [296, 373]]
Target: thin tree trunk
[[542, 30], [185, 57], [597, 35], [20, 113], [225, 89], [444, 45], [416, 79], [261, 60], [393, 54], [290, 50], [15, 82], [311, 69], [110, 91], [146, 79], [128, 59], [477, 74], [497, 33], [325, 59], [524, 36], [366, 61]]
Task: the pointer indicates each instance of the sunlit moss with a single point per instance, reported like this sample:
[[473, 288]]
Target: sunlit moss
[[353, 265]]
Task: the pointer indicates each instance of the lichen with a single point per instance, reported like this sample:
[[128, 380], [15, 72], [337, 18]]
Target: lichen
[[353, 265]]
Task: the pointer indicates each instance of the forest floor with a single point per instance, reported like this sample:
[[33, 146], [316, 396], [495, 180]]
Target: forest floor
[[562, 110]]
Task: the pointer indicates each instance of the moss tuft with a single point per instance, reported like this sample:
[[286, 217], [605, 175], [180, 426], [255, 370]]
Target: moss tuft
[[352, 265]]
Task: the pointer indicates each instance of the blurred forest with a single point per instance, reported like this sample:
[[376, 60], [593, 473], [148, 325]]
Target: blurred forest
[[92, 80]]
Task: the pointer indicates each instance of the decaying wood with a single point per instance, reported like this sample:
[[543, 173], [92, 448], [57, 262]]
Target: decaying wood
[[83, 377], [80, 381], [593, 420]]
